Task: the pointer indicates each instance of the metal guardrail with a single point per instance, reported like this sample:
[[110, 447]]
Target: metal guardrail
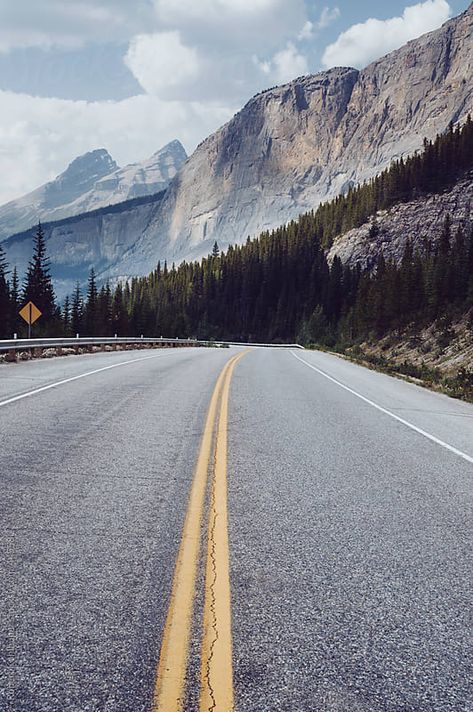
[[13, 346], [24, 344], [254, 345]]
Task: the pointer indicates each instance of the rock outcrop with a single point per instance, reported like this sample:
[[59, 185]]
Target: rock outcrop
[[418, 221]]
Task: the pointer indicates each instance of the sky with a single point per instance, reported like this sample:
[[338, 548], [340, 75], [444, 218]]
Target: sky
[[131, 75]]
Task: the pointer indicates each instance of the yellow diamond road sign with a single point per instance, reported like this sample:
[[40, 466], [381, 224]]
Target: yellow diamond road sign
[[30, 313]]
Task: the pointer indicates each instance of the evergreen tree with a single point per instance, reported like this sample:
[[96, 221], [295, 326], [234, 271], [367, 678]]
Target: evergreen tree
[[119, 322], [91, 307], [15, 303], [4, 297], [104, 312], [66, 316], [38, 286], [77, 311]]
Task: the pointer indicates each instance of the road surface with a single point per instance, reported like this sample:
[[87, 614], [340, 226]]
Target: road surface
[[336, 502]]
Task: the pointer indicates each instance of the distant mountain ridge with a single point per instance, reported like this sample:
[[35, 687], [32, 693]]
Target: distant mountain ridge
[[96, 239], [92, 181]]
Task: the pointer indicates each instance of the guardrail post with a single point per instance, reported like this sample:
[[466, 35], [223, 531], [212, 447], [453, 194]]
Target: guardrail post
[[12, 355]]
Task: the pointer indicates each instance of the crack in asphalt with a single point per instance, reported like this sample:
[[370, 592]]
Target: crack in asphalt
[[213, 622]]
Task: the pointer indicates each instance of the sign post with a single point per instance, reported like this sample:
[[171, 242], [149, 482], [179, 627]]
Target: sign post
[[30, 313]]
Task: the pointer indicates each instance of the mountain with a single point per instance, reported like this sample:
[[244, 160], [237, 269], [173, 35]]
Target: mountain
[[91, 181], [287, 150], [294, 146]]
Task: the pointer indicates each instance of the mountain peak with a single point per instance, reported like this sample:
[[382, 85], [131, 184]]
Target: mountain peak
[[79, 177], [96, 163], [175, 148]]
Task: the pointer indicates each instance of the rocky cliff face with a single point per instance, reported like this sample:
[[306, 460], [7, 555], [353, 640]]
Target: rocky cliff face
[[98, 239], [91, 181], [416, 221], [294, 146]]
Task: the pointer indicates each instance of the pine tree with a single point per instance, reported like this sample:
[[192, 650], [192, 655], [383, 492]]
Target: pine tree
[[66, 316], [38, 286], [119, 319], [15, 302], [77, 311], [5, 307], [104, 311], [442, 278], [91, 305], [374, 229]]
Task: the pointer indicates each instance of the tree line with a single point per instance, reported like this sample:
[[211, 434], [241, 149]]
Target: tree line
[[280, 286]]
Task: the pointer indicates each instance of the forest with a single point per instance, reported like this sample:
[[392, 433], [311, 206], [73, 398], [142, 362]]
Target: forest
[[279, 287]]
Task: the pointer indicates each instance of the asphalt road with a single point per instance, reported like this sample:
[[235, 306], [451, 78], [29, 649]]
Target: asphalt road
[[350, 502]]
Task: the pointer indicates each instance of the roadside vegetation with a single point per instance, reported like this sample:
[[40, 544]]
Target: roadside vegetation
[[456, 383]]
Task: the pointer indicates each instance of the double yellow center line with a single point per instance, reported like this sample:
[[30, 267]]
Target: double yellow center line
[[216, 692]]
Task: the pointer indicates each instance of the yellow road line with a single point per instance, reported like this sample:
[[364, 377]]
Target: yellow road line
[[170, 678], [216, 693]]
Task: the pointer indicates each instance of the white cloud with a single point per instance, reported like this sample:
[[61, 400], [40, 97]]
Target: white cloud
[[210, 10], [245, 24], [307, 31], [364, 42], [208, 50], [70, 23], [161, 61], [285, 65], [327, 16], [288, 64], [40, 136]]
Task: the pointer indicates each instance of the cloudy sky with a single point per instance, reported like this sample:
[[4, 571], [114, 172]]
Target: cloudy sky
[[131, 75]]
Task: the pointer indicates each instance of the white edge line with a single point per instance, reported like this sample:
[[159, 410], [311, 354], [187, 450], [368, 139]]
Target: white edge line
[[443, 444], [75, 378]]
